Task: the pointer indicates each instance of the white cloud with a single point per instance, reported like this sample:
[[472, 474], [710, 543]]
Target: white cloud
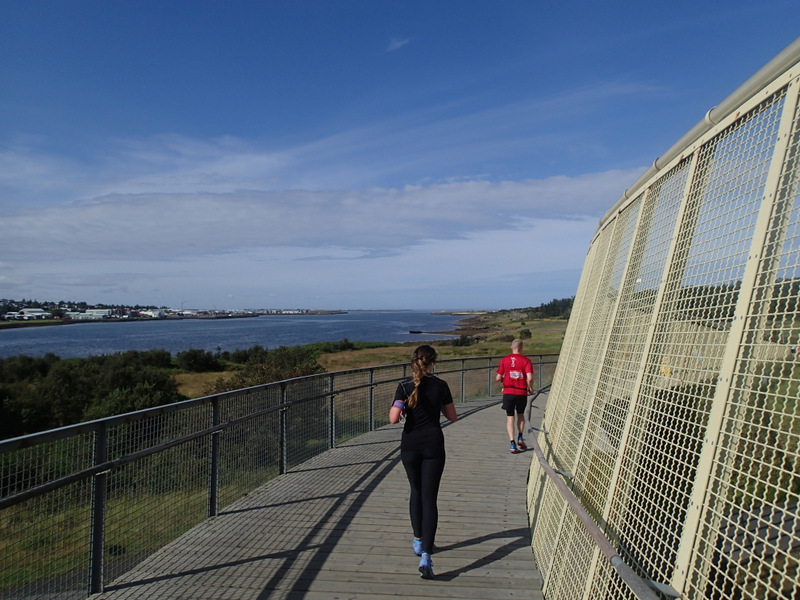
[[438, 143], [154, 226], [397, 43], [348, 214], [473, 271], [419, 246]]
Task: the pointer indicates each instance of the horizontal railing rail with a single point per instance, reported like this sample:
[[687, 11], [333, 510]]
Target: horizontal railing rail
[[74, 501]]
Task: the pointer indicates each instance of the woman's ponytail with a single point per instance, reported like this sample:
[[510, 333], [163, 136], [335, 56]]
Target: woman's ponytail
[[422, 362]]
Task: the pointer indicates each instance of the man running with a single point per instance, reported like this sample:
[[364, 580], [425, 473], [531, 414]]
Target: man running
[[516, 373]]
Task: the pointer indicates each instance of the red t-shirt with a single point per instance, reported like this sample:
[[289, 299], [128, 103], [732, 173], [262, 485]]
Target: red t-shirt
[[514, 369]]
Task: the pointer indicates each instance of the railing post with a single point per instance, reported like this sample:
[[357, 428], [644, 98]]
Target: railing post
[[213, 479], [284, 438], [99, 482], [463, 379], [489, 379], [331, 415], [371, 400], [540, 372]]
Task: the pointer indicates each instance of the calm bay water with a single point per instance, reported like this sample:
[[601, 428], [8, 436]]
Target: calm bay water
[[79, 340]]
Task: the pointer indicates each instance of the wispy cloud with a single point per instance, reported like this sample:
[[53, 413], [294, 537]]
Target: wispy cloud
[[434, 144], [468, 271], [396, 43], [152, 225], [365, 209]]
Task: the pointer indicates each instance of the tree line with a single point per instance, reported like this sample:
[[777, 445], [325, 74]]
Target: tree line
[[43, 393], [555, 309]]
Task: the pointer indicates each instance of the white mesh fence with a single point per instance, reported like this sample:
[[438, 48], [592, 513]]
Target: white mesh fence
[[675, 405]]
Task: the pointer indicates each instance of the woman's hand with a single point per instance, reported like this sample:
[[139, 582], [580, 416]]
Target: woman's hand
[[449, 411]]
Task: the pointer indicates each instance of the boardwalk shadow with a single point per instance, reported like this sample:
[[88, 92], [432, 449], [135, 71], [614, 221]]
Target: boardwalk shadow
[[370, 473], [520, 538], [309, 511], [366, 483]]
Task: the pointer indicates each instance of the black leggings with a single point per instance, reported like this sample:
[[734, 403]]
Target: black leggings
[[424, 469]]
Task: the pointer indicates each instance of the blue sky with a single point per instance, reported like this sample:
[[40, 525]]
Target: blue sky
[[342, 154]]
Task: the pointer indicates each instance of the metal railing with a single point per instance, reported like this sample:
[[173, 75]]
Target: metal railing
[[676, 403], [82, 504]]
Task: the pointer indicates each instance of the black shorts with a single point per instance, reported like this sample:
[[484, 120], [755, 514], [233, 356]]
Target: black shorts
[[514, 403]]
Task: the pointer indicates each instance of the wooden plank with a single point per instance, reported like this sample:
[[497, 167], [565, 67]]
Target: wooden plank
[[338, 527]]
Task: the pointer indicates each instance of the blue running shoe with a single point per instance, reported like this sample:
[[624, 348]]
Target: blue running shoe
[[417, 547], [513, 448], [426, 566], [521, 443]]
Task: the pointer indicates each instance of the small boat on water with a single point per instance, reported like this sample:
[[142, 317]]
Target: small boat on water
[[414, 331]]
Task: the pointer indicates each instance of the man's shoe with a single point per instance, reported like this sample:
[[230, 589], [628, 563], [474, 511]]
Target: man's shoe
[[417, 547], [513, 448], [426, 566], [521, 443]]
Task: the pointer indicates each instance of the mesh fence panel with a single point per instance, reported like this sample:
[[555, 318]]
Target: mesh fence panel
[[573, 416], [675, 402], [250, 449], [596, 460], [546, 507], [566, 580], [690, 338], [45, 544], [169, 488], [751, 531], [358, 405], [608, 584], [44, 541]]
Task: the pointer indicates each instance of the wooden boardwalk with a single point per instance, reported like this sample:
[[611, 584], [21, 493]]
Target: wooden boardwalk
[[337, 527]]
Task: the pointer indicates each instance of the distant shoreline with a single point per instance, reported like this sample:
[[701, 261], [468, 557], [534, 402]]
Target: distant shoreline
[[469, 319], [468, 325], [54, 322]]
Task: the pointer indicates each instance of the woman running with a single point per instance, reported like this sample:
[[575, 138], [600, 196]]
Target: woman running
[[422, 398]]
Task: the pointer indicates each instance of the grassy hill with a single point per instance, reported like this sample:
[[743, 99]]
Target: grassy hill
[[480, 334], [489, 334]]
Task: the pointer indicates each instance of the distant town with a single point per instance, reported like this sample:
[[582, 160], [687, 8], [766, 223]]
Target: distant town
[[31, 310]]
